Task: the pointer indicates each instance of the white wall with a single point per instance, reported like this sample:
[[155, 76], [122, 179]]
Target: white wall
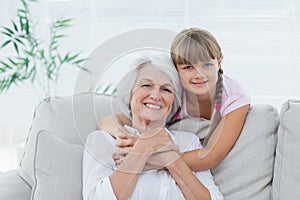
[[260, 40]]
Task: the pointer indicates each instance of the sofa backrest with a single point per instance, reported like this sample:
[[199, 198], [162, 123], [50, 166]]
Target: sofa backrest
[[69, 118], [247, 170], [245, 173], [286, 183]]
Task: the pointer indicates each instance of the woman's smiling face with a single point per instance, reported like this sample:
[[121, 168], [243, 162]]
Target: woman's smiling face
[[152, 96]]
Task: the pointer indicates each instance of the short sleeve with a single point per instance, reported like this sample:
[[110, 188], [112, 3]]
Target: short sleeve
[[233, 96]]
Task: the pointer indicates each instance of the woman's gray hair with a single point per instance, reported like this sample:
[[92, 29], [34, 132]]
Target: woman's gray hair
[[163, 63]]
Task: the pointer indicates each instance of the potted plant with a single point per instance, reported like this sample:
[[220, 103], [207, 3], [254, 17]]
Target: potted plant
[[33, 59]]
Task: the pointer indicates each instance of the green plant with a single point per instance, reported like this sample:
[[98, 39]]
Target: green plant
[[109, 89], [33, 59]]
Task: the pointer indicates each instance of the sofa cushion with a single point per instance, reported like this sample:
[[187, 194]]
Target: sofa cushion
[[286, 173], [70, 118], [192, 125], [13, 187], [57, 169], [247, 171]]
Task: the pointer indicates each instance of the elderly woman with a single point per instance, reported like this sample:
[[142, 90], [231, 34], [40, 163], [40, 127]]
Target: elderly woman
[[150, 95]]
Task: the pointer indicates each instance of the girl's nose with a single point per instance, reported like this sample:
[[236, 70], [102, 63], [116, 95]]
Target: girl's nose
[[198, 73]]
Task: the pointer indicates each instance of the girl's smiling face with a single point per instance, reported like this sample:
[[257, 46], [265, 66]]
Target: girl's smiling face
[[152, 96], [199, 78]]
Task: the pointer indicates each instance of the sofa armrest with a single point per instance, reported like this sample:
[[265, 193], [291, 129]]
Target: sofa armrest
[[13, 187]]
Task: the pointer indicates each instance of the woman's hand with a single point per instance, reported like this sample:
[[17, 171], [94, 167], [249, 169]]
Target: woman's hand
[[120, 155], [164, 151], [162, 159], [125, 142]]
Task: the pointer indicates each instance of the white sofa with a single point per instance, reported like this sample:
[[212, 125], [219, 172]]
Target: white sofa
[[263, 164]]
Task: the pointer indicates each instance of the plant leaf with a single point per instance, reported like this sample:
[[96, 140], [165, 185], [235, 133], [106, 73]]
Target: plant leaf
[[5, 43], [59, 36], [15, 26], [84, 69], [8, 30], [20, 41], [30, 53], [7, 34], [12, 61], [16, 47], [106, 89], [70, 58], [67, 20], [79, 61], [5, 65], [42, 53]]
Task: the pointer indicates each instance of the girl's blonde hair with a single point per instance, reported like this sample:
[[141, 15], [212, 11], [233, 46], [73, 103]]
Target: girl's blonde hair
[[191, 46]]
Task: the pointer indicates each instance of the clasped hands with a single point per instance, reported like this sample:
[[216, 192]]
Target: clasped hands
[[163, 151]]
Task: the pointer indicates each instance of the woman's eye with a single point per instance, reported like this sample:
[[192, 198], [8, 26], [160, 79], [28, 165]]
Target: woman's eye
[[167, 90], [146, 86]]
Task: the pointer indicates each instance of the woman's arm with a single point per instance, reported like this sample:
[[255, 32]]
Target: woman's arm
[[124, 179], [113, 124], [100, 180], [198, 185], [220, 143], [188, 183]]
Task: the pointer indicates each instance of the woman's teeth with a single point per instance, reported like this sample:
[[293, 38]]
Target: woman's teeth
[[152, 106]]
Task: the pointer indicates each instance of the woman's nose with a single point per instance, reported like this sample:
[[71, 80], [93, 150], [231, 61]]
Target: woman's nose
[[155, 94]]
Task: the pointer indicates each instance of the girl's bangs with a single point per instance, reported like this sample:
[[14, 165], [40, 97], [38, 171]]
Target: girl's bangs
[[189, 51]]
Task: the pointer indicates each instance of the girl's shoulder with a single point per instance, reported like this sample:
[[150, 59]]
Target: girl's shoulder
[[232, 87], [234, 96]]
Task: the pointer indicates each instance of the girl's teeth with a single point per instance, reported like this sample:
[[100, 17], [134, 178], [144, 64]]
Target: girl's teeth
[[152, 106]]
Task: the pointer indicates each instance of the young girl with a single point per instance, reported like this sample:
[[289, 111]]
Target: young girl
[[207, 95]]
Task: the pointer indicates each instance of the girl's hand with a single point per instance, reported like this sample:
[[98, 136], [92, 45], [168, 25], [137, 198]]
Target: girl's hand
[[164, 151], [113, 124], [126, 140]]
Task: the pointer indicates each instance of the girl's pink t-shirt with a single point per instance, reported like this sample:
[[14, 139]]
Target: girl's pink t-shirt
[[233, 97]]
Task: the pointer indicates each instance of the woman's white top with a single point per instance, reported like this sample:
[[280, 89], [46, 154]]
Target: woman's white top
[[98, 165]]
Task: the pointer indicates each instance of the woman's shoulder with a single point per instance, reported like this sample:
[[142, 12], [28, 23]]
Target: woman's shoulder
[[100, 145], [98, 135]]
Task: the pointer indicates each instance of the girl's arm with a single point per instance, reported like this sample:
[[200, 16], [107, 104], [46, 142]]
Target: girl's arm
[[113, 124], [220, 143]]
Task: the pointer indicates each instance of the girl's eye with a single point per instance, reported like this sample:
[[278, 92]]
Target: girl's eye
[[188, 67], [207, 64]]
